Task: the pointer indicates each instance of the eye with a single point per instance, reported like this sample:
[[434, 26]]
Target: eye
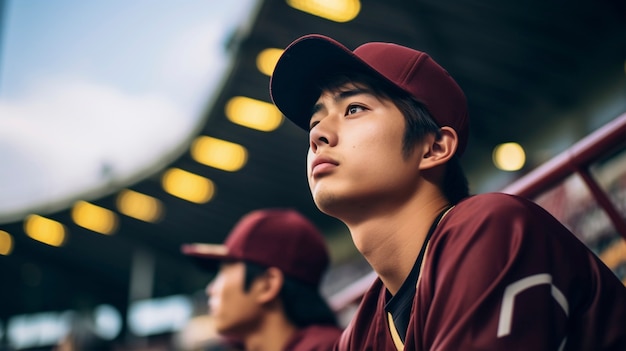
[[352, 109], [312, 124]]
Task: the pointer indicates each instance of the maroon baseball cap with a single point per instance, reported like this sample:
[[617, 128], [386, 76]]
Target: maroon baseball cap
[[280, 238], [294, 89]]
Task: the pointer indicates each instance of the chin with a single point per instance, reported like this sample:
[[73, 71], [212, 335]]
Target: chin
[[226, 331], [328, 203]]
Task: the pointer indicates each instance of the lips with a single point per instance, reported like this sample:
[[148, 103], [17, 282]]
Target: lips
[[322, 164]]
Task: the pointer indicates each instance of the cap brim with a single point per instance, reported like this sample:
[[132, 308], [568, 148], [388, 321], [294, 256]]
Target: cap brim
[[294, 85], [207, 256]]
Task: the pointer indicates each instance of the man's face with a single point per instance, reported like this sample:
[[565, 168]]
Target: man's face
[[234, 311], [355, 162]]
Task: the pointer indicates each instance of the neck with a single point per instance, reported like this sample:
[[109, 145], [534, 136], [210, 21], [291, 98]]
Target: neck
[[397, 232], [273, 334]]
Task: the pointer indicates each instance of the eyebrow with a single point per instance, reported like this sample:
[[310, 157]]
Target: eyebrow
[[342, 95]]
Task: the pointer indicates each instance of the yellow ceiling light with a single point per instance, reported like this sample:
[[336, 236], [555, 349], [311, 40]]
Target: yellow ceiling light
[[45, 230], [188, 186], [139, 206], [253, 113], [219, 153], [334, 10], [266, 60], [6, 243], [509, 156], [94, 218]]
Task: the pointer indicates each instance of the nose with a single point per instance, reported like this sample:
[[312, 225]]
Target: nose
[[321, 135]]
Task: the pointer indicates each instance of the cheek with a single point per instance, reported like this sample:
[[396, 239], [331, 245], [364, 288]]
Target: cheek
[[221, 288], [309, 159], [214, 293], [388, 141], [379, 155]]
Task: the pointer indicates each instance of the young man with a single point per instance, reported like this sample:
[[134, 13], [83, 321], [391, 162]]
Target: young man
[[455, 272], [266, 292]]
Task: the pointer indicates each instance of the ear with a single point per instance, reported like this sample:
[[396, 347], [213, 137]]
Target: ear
[[439, 151], [269, 285]]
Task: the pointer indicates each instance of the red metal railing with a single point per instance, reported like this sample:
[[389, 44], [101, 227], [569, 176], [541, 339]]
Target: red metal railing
[[577, 159]]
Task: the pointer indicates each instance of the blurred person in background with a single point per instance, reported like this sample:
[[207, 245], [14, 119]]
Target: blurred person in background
[[266, 294]]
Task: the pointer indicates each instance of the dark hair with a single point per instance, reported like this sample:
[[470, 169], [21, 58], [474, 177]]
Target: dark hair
[[419, 123], [303, 303]]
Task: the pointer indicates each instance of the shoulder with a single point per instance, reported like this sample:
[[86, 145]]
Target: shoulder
[[498, 202], [495, 231], [500, 237], [504, 225], [499, 211]]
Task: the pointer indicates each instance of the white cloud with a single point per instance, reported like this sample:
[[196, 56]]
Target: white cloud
[[68, 129], [194, 64]]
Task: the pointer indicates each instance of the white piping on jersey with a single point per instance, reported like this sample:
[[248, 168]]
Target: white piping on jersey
[[508, 300]]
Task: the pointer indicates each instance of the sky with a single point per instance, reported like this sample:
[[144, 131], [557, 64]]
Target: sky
[[100, 92]]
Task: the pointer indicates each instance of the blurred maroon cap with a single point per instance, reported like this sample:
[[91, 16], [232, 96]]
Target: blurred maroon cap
[[294, 89], [280, 238]]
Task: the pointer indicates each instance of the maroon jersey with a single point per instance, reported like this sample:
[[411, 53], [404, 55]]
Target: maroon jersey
[[500, 273], [314, 338]]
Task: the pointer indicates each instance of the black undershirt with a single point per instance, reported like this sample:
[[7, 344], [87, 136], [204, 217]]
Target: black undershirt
[[400, 304]]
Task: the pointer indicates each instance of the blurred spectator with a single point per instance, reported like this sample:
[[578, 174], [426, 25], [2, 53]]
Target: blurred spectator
[[266, 293]]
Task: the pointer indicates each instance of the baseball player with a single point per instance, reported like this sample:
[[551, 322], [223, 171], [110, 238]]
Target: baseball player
[[266, 293], [387, 126]]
